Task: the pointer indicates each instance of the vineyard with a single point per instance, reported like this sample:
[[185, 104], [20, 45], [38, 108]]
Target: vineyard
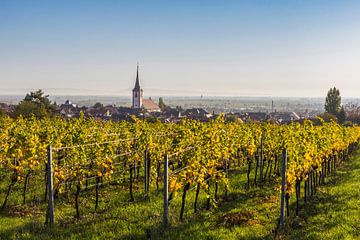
[[57, 162]]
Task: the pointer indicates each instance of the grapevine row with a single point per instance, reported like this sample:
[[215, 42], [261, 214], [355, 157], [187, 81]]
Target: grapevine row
[[88, 149]]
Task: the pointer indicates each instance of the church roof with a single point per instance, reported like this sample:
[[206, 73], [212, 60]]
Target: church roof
[[137, 83], [149, 105]]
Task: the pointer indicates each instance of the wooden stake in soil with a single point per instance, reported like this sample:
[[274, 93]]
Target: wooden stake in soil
[[208, 198], [50, 189], [283, 187], [256, 169], [97, 192], [166, 190], [297, 188], [158, 175], [132, 168], [261, 160], [186, 188], [78, 189], [249, 159], [25, 186], [309, 185], [305, 190], [145, 173], [196, 197]]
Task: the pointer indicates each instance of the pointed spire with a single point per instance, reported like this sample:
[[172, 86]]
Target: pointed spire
[[137, 83]]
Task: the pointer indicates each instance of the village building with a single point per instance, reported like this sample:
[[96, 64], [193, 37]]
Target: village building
[[69, 109], [285, 117], [197, 114], [150, 106], [256, 116], [7, 108]]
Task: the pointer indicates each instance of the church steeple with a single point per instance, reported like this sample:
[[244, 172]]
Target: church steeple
[[137, 92], [137, 83]]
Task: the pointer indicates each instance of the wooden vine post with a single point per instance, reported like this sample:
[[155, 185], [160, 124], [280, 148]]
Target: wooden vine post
[[146, 190], [249, 160], [283, 187], [132, 169], [261, 159], [148, 165], [166, 190], [50, 184]]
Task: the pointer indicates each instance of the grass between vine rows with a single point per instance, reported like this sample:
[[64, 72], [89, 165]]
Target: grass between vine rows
[[332, 213]]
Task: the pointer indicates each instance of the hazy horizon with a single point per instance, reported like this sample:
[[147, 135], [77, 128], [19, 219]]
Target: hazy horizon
[[211, 103], [148, 93], [209, 48]]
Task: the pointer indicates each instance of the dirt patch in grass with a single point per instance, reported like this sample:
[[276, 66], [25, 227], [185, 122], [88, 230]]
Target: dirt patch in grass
[[22, 211], [238, 218], [271, 199]]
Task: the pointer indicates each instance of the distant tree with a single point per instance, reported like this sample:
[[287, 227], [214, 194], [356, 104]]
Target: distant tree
[[98, 105], [162, 105], [248, 119], [349, 124], [36, 104], [327, 117], [272, 121], [151, 119], [2, 113], [341, 115], [232, 118], [353, 116], [333, 101]]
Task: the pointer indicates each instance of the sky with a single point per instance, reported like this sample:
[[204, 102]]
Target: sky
[[185, 48]]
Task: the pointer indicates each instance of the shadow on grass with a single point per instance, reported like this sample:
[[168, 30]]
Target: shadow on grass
[[195, 228]]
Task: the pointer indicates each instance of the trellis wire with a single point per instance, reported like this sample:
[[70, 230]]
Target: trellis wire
[[94, 144]]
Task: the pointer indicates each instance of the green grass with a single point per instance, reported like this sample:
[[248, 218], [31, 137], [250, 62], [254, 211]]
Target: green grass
[[334, 212], [252, 214]]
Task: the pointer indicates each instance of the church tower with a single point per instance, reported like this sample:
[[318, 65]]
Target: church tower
[[137, 93]]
